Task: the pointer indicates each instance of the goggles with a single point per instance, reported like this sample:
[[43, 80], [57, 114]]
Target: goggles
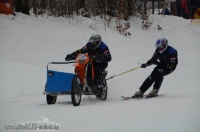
[[161, 47]]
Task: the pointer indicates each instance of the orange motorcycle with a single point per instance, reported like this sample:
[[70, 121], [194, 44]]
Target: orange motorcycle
[[83, 80]]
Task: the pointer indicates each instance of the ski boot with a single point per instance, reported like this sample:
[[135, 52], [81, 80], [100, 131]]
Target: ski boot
[[153, 93], [138, 94]]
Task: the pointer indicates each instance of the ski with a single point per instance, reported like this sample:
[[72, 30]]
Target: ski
[[126, 98], [144, 97]]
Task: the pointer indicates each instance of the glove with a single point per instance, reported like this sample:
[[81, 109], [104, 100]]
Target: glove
[[144, 65], [69, 57], [99, 58]]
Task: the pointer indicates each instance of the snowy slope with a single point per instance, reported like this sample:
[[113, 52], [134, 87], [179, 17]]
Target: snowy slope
[[28, 43]]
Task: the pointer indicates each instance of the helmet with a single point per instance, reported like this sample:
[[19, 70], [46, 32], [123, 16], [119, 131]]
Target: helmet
[[161, 45], [95, 40]]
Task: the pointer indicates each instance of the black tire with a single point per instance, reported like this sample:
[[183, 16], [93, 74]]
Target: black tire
[[49, 98], [103, 94], [76, 92]]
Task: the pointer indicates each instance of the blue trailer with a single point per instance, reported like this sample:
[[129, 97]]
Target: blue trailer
[[58, 83]]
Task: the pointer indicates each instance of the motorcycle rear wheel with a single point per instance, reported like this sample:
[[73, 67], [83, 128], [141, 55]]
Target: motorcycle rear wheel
[[103, 94]]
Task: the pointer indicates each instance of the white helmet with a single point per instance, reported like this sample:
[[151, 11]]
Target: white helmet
[[95, 40], [161, 45]]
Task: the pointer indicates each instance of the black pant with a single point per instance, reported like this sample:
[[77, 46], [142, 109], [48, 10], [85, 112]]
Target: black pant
[[156, 77], [99, 68]]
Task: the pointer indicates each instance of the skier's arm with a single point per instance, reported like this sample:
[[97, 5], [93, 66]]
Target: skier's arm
[[153, 60]]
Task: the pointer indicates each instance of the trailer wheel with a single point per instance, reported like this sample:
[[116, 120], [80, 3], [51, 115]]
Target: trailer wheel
[[49, 98], [76, 92]]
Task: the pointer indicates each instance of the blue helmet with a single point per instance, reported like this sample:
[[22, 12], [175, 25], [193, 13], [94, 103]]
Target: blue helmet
[[161, 45]]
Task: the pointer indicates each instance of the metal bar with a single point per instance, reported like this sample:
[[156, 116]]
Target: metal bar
[[63, 62], [60, 63]]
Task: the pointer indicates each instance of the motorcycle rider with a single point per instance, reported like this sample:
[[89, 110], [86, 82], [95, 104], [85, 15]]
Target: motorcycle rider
[[167, 64], [100, 53]]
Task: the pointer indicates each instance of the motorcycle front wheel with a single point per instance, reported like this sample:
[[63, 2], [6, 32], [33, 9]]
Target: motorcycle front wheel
[[76, 92]]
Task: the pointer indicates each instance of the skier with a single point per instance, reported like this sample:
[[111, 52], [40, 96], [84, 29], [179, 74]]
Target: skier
[[167, 63], [100, 54]]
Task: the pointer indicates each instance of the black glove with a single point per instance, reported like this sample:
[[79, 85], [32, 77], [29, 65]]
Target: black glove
[[99, 58], [69, 57], [144, 65]]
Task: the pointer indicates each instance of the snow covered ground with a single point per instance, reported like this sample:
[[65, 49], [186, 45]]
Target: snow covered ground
[[28, 43]]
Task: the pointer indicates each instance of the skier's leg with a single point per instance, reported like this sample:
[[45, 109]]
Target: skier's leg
[[157, 84], [149, 81], [159, 79], [143, 88], [160, 76], [146, 84]]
